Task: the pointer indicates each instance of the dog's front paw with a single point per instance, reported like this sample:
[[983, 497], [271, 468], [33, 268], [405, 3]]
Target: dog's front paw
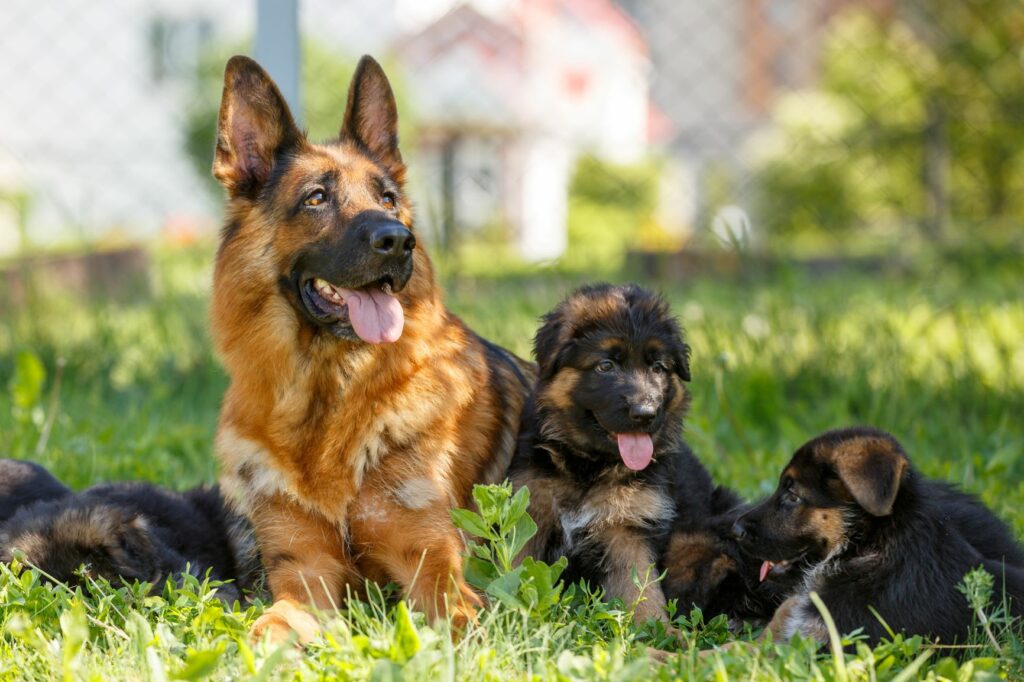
[[463, 611], [283, 620]]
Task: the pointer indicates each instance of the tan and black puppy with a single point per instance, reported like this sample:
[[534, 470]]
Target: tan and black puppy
[[123, 531], [875, 534], [601, 449], [705, 567]]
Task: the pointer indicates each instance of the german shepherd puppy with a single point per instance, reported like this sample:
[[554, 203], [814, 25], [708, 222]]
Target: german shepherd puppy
[[360, 410], [601, 447], [875, 533], [23, 483], [705, 567], [128, 531]]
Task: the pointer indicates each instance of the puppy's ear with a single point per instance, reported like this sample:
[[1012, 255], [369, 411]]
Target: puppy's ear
[[872, 469], [681, 356], [371, 116], [253, 129], [552, 344]]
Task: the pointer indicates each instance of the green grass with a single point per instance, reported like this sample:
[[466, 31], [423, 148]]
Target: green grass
[[936, 357]]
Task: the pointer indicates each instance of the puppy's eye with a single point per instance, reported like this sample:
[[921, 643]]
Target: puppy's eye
[[659, 367], [790, 498], [605, 366], [388, 201], [315, 198]]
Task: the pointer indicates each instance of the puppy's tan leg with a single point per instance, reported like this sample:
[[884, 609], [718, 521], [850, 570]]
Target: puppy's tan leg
[[306, 562], [627, 551], [796, 615]]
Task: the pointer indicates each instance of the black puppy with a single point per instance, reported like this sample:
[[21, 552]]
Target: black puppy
[[705, 567], [128, 531], [601, 446], [875, 533], [23, 483]]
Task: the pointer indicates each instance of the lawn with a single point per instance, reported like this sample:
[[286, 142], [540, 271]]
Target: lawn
[[933, 355]]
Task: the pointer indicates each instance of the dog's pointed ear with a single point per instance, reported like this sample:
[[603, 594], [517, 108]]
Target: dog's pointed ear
[[371, 115], [253, 129], [681, 357], [872, 469]]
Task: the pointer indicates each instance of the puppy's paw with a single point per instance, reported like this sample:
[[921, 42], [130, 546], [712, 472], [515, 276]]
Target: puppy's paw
[[284, 619]]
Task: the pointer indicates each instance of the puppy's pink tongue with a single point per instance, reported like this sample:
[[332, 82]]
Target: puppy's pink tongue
[[375, 316], [635, 449], [766, 567]]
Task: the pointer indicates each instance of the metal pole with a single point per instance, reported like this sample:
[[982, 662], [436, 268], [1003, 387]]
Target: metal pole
[[277, 47]]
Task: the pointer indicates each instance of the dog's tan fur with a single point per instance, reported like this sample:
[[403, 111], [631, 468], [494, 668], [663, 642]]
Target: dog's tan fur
[[346, 456]]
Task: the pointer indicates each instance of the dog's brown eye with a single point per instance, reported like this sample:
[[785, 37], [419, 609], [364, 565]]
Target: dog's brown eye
[[605, 366], [315, 198], [388, 201], [791, 498]]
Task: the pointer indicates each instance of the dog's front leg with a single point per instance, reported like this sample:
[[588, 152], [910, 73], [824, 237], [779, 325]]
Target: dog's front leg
[[306, 562], [627, 551], [412, 540]]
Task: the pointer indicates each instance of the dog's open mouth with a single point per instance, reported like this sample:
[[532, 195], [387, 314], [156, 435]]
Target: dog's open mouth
[[776, 569], [635, 449], [372, 311]]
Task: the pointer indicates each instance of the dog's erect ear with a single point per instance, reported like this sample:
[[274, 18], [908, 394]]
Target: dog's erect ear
[[681, 356], [872, 469], [371, 116], [254, 127]]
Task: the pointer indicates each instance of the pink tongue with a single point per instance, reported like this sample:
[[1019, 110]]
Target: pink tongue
[[635, 449], [375, 316], [765, 568]]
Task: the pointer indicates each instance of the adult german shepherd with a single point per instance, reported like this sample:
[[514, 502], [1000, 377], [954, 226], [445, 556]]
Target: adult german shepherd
[[360, 410]]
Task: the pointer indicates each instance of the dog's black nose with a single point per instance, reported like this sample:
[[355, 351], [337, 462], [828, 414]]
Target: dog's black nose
[[739, 531], [392, 240], [642, 414]]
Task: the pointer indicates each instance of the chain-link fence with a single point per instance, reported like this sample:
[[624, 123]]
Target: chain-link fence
[[535, 125]]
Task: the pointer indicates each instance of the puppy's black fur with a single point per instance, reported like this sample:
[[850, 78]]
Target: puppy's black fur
[[612, 361], [23, 483], [877, 533], [130, 531], [705, 567]]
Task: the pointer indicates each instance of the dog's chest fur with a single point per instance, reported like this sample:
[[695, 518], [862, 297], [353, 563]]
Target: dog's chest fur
[[609, 504]]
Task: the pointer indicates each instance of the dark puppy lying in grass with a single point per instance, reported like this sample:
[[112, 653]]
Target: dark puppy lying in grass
[[601, 448], [129, 531], [876, 535], [705, 567]]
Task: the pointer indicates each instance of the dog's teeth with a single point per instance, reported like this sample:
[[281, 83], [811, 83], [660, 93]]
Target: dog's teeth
[[386, 288]]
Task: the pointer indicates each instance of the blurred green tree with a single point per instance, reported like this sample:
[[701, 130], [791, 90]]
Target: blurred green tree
[[919, 117]]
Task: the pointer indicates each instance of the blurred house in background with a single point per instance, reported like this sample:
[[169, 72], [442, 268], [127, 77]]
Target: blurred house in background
[[506, 99]]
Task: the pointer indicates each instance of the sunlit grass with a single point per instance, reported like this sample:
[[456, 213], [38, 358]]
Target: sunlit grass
[[934, 356]]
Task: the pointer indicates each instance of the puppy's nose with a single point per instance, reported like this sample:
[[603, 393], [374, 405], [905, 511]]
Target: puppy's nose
[[642, 414], [392, 240], [739, 531]]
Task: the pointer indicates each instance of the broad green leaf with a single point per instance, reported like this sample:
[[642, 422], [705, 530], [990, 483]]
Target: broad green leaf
[[521, 533], [479, 573], [470, 522], [199, 664], [406, 641]]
